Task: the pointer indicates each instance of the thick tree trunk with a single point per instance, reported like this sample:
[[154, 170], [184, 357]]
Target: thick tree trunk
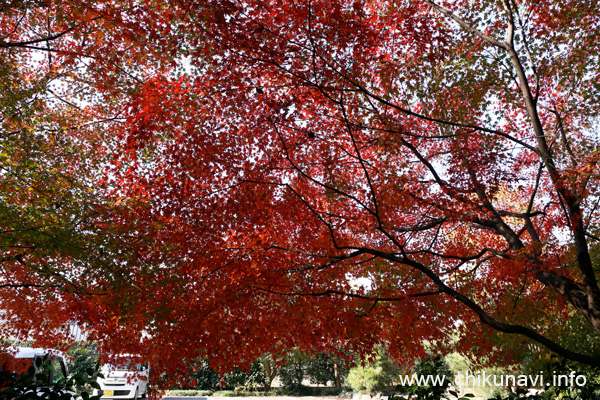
[[574, 293]]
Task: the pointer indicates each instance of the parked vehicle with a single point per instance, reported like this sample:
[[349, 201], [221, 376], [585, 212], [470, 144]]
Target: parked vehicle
[[125, 380], [26, 357], [34, 373]]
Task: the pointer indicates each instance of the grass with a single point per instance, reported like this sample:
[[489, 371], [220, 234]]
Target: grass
[[185, 393], [304, 391], [219, 393]]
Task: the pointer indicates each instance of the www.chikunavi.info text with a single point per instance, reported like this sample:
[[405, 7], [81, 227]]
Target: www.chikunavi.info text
[[484, 379]]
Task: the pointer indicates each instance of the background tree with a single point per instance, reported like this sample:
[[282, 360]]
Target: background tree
[[57, 237], [82, 357], [293, 372], [324, 369], [270, 368]]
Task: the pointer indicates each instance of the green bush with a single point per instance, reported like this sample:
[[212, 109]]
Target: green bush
[[240, 380], [373, 376], [291, 374], [204, 377], [320, 369], [81, 358]]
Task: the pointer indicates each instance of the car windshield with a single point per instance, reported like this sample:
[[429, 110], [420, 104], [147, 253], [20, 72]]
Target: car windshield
[[122, 366]]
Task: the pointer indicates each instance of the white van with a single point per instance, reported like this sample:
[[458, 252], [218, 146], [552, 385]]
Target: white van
[[125, 380], [25, 357]]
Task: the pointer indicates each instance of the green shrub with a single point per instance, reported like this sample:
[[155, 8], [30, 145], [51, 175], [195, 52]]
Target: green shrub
[[291, 374], [373, 376], [252, 380], [81, 358], [204, 376], [320, 369], [201, 377]]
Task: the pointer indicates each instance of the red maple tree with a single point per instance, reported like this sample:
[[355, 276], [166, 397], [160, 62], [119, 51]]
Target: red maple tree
[[323, 174]]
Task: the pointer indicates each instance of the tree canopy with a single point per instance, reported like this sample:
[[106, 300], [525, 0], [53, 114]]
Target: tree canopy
[[229, 178]]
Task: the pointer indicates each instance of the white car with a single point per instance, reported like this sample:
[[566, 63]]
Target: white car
[[24, 357], [125, 380], [52, 369]]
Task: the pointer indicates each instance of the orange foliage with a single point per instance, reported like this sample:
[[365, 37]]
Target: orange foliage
[[255, 175]]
